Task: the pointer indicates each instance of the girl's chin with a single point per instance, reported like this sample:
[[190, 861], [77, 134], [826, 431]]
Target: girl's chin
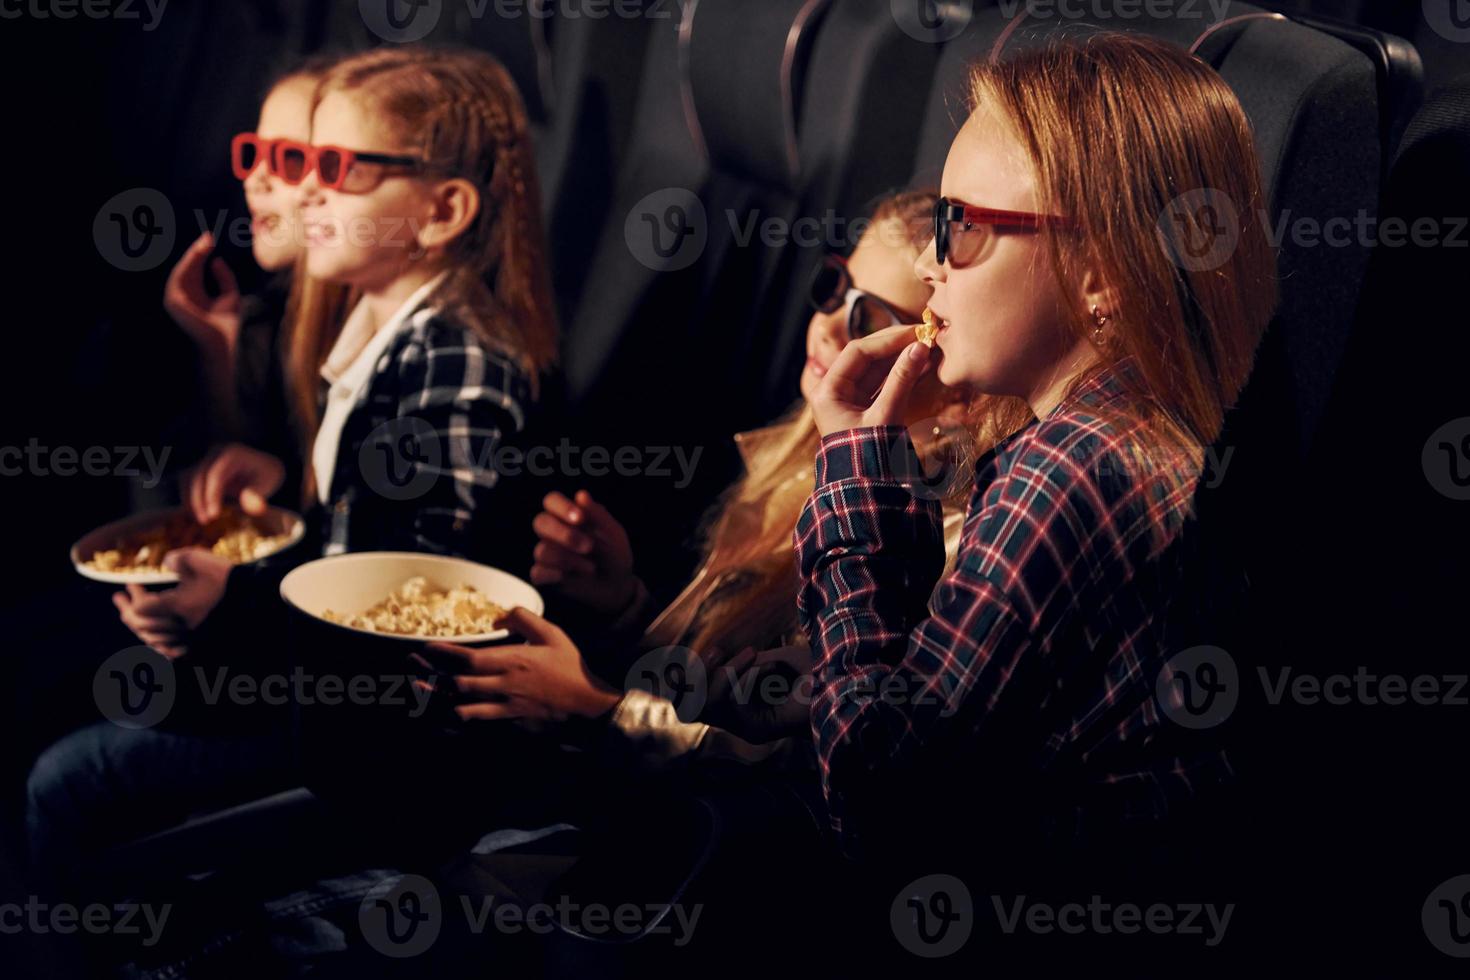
[[809, 382], [272, 259], [325, 262], [947, 374]]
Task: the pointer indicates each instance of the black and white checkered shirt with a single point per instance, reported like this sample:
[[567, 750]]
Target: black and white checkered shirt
[[417, 464]]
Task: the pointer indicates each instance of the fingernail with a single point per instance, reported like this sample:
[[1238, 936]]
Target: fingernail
[[574, 515], [917, 351]]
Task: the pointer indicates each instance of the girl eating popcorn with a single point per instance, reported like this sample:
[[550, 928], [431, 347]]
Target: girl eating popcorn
[[1019, 708]]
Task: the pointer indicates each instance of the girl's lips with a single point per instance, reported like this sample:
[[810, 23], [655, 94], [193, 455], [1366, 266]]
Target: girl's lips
[[318, 232]]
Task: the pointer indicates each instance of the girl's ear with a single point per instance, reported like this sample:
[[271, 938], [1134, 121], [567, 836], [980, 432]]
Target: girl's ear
[[454, 207], [1097, 293]]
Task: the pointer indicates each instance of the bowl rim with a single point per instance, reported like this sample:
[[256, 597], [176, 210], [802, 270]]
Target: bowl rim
[[143, 518], [348, 557]]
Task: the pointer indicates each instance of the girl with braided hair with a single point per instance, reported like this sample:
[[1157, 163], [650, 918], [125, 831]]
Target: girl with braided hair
[[418, 200], [418, 197]]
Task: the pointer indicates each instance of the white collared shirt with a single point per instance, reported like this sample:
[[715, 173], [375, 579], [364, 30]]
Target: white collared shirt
[[350, 368]]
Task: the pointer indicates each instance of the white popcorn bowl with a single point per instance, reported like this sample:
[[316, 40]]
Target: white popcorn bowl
[[353, 583], [274, 521]]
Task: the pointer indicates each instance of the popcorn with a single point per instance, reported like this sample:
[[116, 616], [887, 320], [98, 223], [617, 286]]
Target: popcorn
[[927, 333], [232, 536], [418, 608]]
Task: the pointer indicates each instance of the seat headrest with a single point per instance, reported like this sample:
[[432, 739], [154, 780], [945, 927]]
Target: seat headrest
[[1216, 23], [523, 46], [743, 69]]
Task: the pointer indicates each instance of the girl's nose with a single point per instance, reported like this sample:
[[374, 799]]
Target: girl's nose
[[309, 190], [926, 268], [259, 179], [829, 336]]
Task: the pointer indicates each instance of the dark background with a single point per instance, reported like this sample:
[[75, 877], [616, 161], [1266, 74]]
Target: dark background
[[94, 108]]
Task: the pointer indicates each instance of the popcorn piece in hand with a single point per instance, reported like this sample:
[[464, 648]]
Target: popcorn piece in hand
[[927, 332]]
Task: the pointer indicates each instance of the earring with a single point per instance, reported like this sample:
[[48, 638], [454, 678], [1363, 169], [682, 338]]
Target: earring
[[1099, 320]]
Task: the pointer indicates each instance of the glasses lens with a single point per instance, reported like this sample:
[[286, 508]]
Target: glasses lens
[[329, 165], [956, 240], [291, 161], [859, 323], [941, 230], [966, 242], [827, 287], [868, 316], [247, 155]]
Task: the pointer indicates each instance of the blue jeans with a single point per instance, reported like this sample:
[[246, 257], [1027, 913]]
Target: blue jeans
[[104, 785]]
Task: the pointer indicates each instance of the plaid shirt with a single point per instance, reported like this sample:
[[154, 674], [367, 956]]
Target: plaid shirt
[[1034, 663], [415, 467], [455, 401]]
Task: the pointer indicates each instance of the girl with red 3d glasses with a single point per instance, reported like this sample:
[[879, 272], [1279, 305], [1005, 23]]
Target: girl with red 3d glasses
[[1019, 704], [417, 195]]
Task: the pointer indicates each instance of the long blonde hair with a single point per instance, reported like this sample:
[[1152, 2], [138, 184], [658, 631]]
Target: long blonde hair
[[463, 113], [779, 478], [1145, 147]]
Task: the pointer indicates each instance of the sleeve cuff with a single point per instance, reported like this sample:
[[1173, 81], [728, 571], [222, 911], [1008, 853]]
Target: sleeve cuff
[[649, 728], [880, 452], [635, 614]]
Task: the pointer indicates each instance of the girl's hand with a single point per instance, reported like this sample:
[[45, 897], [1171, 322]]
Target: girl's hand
[[163, 620], [583, 552], [212, 321], [233, 472], [871, 381], [544, 678]]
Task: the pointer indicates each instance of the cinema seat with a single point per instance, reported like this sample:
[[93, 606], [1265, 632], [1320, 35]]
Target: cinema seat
[[1326, 105], [1389, 548], [521, 43]]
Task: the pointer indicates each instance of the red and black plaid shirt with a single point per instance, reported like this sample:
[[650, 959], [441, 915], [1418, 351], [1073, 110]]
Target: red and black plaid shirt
[[1033, 665]]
